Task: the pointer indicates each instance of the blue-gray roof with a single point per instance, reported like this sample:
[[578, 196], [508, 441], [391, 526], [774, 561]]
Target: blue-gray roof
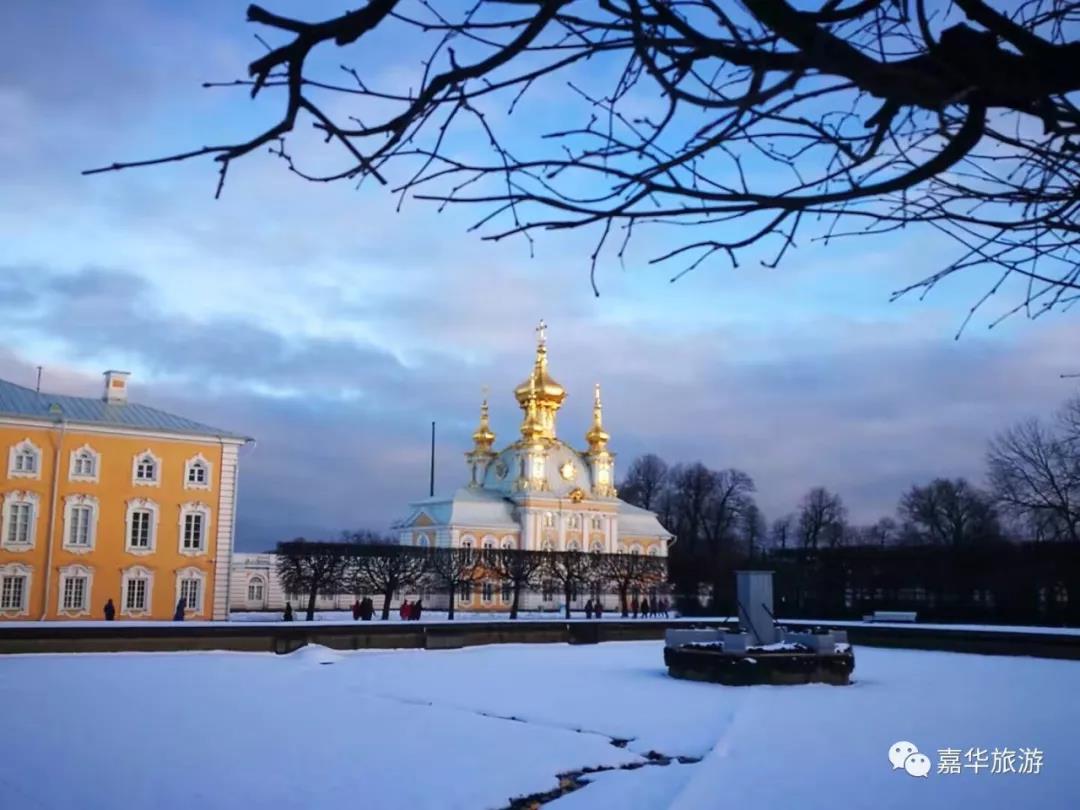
[[15, 400]]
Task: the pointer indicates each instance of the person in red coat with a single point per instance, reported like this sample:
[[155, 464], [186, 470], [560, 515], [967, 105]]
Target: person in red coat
[[405, 611]]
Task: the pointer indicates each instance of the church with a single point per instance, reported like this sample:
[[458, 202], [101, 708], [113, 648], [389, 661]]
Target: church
[[537, 493]]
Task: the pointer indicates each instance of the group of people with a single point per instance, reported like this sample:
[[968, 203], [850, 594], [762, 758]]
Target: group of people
[[644, 609], [411, 613]]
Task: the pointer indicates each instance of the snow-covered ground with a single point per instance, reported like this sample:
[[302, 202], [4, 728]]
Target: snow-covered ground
[[473, 728]]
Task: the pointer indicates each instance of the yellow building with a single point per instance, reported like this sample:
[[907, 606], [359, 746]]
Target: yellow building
[[107, 499]]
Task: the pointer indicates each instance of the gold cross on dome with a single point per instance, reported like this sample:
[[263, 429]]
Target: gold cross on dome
[[541, 332]]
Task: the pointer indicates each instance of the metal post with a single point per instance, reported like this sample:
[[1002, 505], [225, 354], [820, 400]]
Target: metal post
[[431, 481]]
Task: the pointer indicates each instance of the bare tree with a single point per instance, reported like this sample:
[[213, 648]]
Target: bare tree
[[385, 568], [950, 512], [644, 482], [628, 571], [822, 519], [754, 529], [312, 568], [781, 531], [570, 569], [842, 116], [1035, 476], [728, 500], [519, 568], [453, 569]]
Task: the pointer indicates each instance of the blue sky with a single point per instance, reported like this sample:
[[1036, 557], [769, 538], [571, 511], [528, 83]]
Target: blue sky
[[334, 329]]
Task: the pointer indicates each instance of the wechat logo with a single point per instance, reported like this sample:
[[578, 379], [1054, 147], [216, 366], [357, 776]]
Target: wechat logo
[[906, 755]]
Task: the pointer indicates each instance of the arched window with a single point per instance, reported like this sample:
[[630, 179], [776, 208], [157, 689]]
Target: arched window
[[423, 541], [20, 513], [468, 544], [24, 460], [137, 586], [465, 592], [635, 550], [255, 590], [508, 543], [653, 551], [142, 519], [80, 523], [575, 521], [549, 520], [84, 464], [75, 581], [488, 553], [15, 589], [573, 545], [197, 473], [507, 591], [190, 587], [597, 547], [146, 469], [194, 528], [598, 523], [487, 592]]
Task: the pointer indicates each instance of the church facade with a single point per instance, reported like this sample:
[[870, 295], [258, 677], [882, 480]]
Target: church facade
[[536, 493]]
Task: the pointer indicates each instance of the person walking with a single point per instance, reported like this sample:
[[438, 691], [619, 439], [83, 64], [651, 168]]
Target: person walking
[[110, 611], [598, 609], [664, 607], [367, 608], [417, 610], [288, 612], [178, 616], [634, 606], [645, 607], [588, 609], [404, 612], [356, 610]]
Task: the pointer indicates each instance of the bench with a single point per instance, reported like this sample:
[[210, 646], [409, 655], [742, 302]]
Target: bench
[[891, 616]]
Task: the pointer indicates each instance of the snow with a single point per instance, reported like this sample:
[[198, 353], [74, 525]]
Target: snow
[[472, 728]]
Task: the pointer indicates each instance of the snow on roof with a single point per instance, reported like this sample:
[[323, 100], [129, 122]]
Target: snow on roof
[[467, 506], [637, 522]]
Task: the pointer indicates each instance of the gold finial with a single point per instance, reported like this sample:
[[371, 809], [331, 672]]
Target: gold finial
[[597, 437], [541, 333], [549, 395], [484, 437], [532, 429]]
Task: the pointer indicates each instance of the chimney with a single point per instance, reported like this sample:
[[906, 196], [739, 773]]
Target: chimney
[[116, 392]]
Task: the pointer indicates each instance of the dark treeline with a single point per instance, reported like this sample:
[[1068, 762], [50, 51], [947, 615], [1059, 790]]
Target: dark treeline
[[953, 549], [366, 564]]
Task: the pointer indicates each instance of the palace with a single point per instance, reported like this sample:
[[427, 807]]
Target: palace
[[105, 499], [537, 493]]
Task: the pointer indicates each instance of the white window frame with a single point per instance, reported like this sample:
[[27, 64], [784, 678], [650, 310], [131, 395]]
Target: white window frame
[[95, 460], [423, 541], [549, 520], [17, 570], [506, 592], [465, 592], [508, 543], [191, 572], [146, 482], [575, 521], [11, 499], [198, 460], [24, 447], [70, 504], [155, 514], [194, 508], [597, 523], [487, 592], [69, 572], [130, 574], [252, 582]]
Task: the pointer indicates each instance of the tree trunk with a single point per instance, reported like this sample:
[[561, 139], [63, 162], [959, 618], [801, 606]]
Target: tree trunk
[[622, 600], [388, 594], [566, 593], [311, 603], [517, 596], [453, 598]]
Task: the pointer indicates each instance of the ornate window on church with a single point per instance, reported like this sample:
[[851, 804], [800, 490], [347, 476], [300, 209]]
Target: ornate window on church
[[575, 521], [487, 592], [549, 520], [598, 523]]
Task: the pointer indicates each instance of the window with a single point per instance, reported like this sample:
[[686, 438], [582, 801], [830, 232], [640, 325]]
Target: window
[[147, 469], [197, 473], [75, 593], [136, 587], [24, 460], [79, 534], [575, 521], [465, 592], [549, 520], [13, 592], [140, 528], [84, 464], [573, 546], [194, 527], [191, 593], [135, 594], [467, 544], [487, 592], [255, 589], [74, 590], [547, 590], [597, 547], [507, 590], [20, 519], [598, 523], [653, 551], [488, 553]]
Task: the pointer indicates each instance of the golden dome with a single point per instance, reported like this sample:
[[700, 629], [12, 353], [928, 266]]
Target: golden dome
[[532, 429], [483, 437], [540, 391]]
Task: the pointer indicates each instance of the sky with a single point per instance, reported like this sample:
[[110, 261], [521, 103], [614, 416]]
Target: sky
[[334, 328]]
